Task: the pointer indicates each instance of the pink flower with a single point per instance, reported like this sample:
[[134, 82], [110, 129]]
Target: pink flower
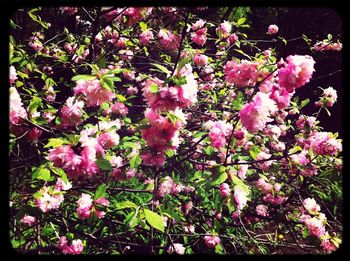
[[168, 40], [328, 246], [34, 134], [311, 206], [119, 108], [16, 107], [224, 29], [255, 114], [323, 144], [240, 198], [108, 139], [199, 36], [242, 171], [186, 208], [146, 37], [219, 131], [200, 59], [262, 210], [85, 204], [69, 10], [225, 190], [61, 185], [71, 113], [165, 186], [264, 186], [85, 201], [13, 75], [297, 72], [326, 45], [46, 200], [102, 201], [233, 38], [241, 74], [272, 29], [75, 248], [132, 90], [28, 220], [189, 229], [153, 160], [281, 96], [211, 241], [177, 248], [88, 163], [130, 173], [93, 91], [315, 226]]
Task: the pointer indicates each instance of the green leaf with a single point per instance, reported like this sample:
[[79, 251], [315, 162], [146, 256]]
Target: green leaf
[[41, 173], [102, 61], [153, 88], [254, 151], [161, 68], [219, 178], [143, 26], [104, 164], [329, 37], [55, 142], [121, 98], [83, 77], [198, 134], [100, 191], [135, 161], [124, 205], [154, 220], [239, 183], [172, 117], [241, 20], [105, 105], [304, 103], [107, 83]]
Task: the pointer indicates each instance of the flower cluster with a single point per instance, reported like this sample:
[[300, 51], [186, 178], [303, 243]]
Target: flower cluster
[[86, 208], [219, 131], [74, 249], [241, 74]]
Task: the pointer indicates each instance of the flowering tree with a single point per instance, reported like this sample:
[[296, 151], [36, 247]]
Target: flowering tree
[[167, 130]]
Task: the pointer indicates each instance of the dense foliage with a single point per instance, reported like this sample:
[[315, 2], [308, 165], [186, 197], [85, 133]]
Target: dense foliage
[[166, 130]]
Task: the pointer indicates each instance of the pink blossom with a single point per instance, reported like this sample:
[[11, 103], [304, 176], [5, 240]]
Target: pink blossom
[[233, 38], [219, 131], [297, 72], [70, 48], [187, 207], [146, 37], [239, 134], [13, 75], [130, 173], [224, 29], [108, 139], [177, 248], [153, 160], [16, 107], [242, 171], [165, 186], [28, 220], [168, 40], [93, 91], [323, 144], [199, 36], [280, 96], [119, 108], [211, 241], [71, 113], [47, 201], [327, 245], [255, 114], [225, 190], [262, 210], [34, 134], [69, 10], [311, 206], [61, 185], [240, 197], [74, 249], [200, 59], [189, 229], [274, 200], [241, 74], [326, 45], [88, 161], [264, 186], [315, 226], [102, 201], [272, 29]]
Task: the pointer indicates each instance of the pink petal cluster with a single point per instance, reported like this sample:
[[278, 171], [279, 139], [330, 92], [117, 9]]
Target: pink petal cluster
[[71, 113], [146, 37], [264, 186], [297, 72], [329, 97], [61, 185], [240, 197], [168, 40], [85, 206], [323, 144], [219, 131], [93, 91], [16, 107], [274, 200], [69, 10], [315, 225], [162, 133], [272, 29], [199, 34], [311, 206], [48, 199], [211, 241], [225, 190], [28, 220], [325, 45], [262, 210], [255, 114], [224, 29], [241, 74], [12, 75], [74, 249], [177, 248], [200, 59], [157, 159]]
